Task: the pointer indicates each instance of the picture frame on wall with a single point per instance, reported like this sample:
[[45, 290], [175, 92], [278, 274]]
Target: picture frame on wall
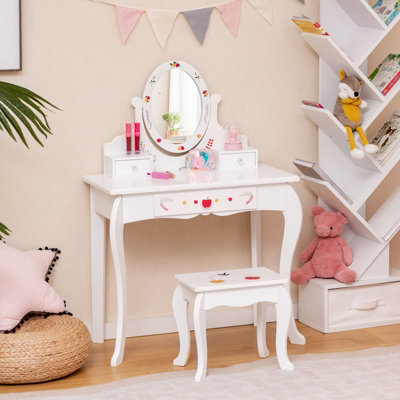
[[10, 35]]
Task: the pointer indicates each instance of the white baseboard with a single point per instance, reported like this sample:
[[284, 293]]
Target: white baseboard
[[215, 319]]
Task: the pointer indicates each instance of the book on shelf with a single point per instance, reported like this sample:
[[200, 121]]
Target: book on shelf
[[387, 138], [309, 25], [386, 75], [312, 103], [313, 170], [387, 10]]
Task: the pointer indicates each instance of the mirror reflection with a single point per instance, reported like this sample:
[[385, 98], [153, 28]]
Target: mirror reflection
[[176, 106]]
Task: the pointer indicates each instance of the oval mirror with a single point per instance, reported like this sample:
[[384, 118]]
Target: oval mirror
[[176, 107]]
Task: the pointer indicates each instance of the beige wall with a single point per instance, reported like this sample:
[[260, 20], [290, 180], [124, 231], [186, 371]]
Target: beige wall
[[72, 55]]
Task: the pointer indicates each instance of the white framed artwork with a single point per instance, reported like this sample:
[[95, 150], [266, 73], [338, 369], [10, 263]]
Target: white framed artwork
[[10, 35]]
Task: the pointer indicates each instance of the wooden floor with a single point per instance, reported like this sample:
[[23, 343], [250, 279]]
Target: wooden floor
[[226, 346]]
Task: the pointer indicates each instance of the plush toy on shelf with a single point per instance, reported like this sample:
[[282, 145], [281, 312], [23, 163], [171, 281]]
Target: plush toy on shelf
[[348, 111], [329, 254]]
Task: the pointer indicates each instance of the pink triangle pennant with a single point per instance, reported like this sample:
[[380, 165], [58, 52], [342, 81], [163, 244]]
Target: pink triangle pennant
[[230, 13], [127, 20]]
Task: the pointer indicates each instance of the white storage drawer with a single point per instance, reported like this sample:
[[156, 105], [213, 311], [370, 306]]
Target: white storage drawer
[[236, 160], [364, 305], [130, 167], [127, 165], [330, 306]]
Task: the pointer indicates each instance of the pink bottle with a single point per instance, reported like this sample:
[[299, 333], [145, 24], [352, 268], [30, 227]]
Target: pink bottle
[[128, 130], [137, 137]]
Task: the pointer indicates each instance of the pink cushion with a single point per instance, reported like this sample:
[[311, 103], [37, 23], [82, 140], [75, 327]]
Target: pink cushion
[[23, 287]]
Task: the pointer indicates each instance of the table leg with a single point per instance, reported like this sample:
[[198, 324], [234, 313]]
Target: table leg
[[199, 318], [293, 214], [180, 309], [255, 233], [117, 249], [283, 314], [261, 330], [98, 250]]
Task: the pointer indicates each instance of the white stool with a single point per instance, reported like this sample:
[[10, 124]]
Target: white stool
[[236, 288]]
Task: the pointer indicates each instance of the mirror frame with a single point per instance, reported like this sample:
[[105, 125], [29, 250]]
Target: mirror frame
[[205, 108]]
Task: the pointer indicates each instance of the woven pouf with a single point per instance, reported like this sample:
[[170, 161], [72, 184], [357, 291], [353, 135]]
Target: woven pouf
[[43, 349]]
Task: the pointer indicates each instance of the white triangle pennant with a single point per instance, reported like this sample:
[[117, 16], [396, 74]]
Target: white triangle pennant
[[162, 22], [264, 7]]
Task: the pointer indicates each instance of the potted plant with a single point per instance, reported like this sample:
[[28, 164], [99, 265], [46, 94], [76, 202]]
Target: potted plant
[[21, 109], [172, 119]]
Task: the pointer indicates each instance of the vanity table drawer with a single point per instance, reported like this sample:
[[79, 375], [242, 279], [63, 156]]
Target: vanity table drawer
[[236, 160], [200, 202], [127, 165]]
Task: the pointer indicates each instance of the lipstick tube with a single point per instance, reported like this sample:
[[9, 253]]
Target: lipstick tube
[[137, 137], [128, 130]]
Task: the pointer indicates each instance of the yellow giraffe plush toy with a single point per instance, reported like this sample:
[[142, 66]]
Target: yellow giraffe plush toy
[[348, 111]]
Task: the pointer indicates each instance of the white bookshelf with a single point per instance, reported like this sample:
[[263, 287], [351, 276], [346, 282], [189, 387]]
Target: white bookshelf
[[355, 31]]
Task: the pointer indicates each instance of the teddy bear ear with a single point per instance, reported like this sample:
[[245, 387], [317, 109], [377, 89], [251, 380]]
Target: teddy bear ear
[[342, 218], [317, 210]]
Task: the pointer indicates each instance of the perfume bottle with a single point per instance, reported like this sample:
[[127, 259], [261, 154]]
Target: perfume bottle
[[128, 130], [137, 137]]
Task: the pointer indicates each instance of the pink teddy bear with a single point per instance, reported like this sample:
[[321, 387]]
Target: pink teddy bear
[[328, 255]]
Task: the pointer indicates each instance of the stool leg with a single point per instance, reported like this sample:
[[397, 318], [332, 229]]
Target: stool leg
[[180, 308], [261, 331], [283, 314], [199, 319]]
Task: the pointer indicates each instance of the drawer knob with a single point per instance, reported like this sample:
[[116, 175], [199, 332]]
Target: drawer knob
[[240, 161], [134, 168]]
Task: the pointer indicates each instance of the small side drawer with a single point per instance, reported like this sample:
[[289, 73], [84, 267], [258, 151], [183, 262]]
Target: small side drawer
[[126, 165], [236, 160], [131, 167], [362, 305], [205, 202]]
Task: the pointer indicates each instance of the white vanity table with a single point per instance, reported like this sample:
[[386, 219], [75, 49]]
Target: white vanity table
[[136, 197]]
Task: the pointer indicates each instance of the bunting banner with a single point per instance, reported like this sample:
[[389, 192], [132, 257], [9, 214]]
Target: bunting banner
[[162, 20], [230, 13], [127, 20], [199, 20], [263, 7]]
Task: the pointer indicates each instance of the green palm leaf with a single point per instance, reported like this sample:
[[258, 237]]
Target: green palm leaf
[[4, 230], [20, 108]]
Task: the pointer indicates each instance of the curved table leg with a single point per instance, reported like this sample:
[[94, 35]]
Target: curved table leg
[[261, 330], [117, 249], [180, 309], [97, 254], [283, 314], [293, 214], [199, 318]]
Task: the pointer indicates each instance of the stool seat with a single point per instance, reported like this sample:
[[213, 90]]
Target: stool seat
[[235, 288]]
